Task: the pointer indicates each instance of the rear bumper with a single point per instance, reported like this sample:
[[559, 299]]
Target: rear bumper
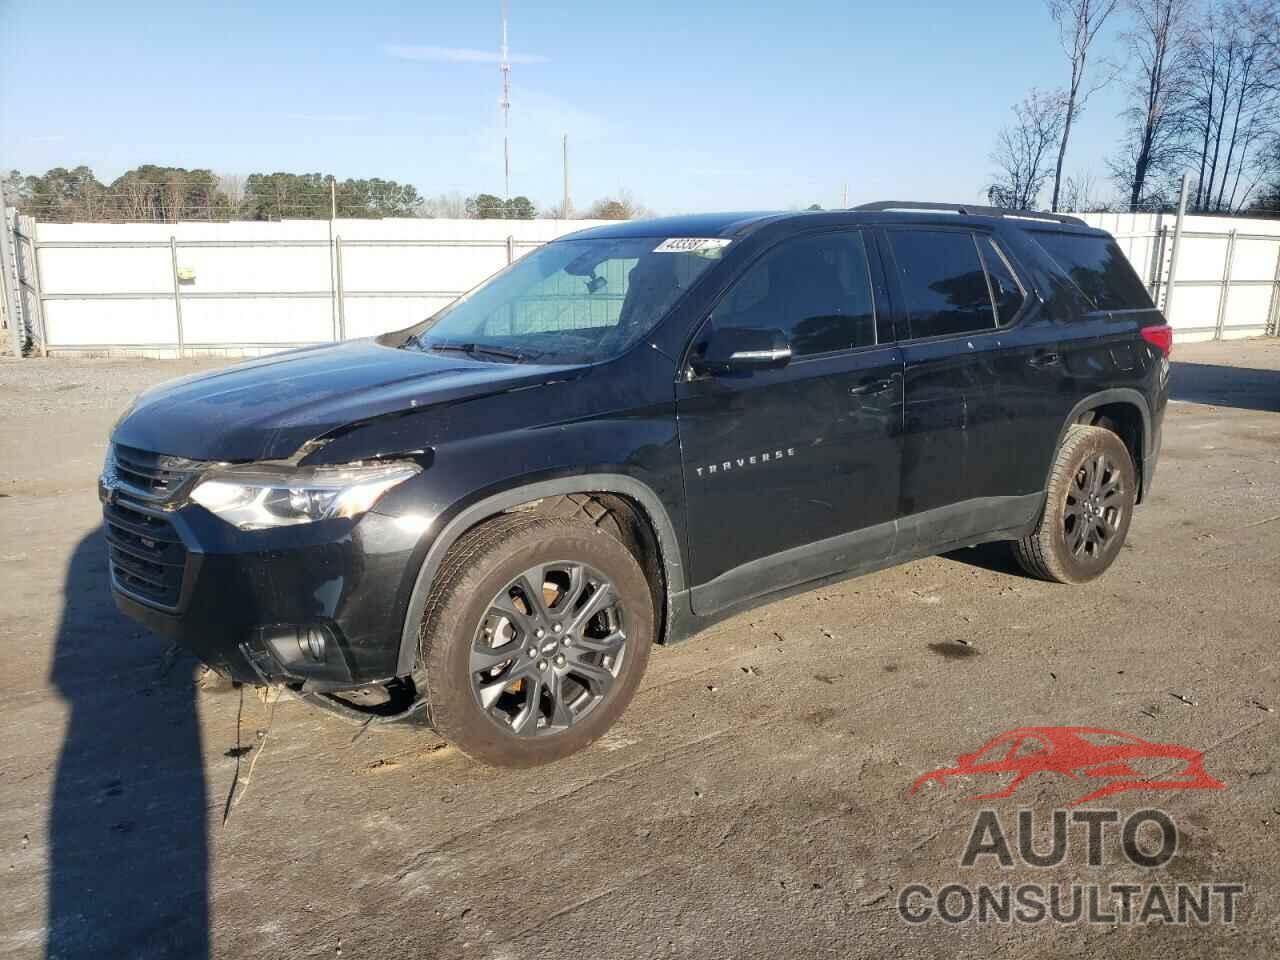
[[258, 606]]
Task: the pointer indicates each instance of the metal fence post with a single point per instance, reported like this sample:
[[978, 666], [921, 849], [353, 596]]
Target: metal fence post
[[177, 294], [1273, 313], [1226, 285], [1159, 244], [511, 249], [1177, 242], [37, 290], [12, 298], [342, 307], [333, 283]]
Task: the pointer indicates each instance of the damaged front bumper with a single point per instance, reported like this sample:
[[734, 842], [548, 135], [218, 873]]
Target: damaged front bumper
[[319, 606]]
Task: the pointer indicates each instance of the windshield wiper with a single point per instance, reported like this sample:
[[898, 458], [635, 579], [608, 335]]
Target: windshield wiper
[[479, 350]]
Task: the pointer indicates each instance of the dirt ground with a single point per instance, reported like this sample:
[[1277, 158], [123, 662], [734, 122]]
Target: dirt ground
[[755, 799]]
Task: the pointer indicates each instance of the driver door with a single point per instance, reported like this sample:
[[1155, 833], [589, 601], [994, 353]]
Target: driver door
[[792, 474]]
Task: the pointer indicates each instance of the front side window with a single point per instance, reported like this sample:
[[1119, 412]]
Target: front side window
[[571, 301], [816, 290], [943, 282]]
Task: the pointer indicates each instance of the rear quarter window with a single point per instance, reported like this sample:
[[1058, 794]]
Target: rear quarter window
[[1099, 268]]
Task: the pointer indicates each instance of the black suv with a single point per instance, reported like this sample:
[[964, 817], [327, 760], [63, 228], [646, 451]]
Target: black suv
[[485, 521]]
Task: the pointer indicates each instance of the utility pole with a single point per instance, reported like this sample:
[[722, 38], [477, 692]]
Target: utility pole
[[564, 201], [505, 103], [844, 196], [333, 257]]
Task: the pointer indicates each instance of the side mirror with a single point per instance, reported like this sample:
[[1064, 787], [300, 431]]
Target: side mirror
[[734, 349]]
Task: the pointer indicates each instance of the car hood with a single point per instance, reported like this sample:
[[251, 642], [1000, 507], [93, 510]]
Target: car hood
[[267, 409]]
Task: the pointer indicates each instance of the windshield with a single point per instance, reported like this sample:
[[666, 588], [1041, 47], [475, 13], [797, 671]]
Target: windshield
[[572, 301]]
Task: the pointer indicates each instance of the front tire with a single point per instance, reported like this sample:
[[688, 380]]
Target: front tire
[[534, 639], [1088, 506]]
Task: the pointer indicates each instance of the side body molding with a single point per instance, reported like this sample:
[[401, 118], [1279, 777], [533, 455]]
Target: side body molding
[[468, 517]]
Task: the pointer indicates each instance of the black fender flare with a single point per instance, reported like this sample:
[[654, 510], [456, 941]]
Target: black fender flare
[[1113, 395], [468, 517]]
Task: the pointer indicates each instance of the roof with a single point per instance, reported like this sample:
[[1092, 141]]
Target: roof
[[688, 225], [969, 210], [741, 223]]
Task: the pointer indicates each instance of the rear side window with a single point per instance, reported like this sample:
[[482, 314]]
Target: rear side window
[[943, 282], [1098, 268], [1006, 291]]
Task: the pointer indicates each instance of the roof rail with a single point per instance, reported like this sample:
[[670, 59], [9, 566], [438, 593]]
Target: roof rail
[[966, 209]]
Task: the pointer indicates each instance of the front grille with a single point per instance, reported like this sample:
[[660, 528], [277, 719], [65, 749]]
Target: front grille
[[148, 558], [151, 476]]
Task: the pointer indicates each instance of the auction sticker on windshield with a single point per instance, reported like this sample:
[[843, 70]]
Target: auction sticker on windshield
[[703, 246]]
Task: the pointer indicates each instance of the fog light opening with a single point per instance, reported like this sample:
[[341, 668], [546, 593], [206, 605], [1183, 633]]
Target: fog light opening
[[311, 641]]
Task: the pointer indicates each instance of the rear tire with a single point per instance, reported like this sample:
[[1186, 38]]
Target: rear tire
[[519, 672], [1088, 506]]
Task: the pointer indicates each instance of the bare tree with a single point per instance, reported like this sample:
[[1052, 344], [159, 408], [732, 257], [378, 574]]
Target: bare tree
[[557, 211], [1080, 194], [446, 206], [232, 187], [1255, 117], [1159, 46], [1023, 149], [621, 206], [1235, 106], [1079, 23], [135, 198], [1268, 199]]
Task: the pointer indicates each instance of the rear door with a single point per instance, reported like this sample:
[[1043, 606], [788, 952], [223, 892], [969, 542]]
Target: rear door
[[979, 369], [792, 473]]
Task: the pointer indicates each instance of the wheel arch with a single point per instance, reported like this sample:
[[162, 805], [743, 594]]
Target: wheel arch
[[1123, 410], [647, 502]]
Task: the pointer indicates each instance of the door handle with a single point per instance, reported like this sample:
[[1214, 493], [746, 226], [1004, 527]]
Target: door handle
[[868, 389], [1045, 360]]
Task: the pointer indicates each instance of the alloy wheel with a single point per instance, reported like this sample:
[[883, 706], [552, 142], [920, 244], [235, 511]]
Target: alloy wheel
[[548, 649], [1095, 507]]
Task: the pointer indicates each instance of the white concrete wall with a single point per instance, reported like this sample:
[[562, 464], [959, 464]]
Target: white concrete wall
[[396, 272], [1202, 267]]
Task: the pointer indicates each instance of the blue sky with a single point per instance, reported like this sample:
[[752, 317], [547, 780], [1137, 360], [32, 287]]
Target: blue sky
[[689, 105]]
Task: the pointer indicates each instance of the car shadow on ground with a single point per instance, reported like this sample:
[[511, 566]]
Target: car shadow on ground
[[996, 557], [128, 858], [1243, 387]]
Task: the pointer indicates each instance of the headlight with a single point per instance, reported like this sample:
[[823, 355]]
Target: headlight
[[256, 497]]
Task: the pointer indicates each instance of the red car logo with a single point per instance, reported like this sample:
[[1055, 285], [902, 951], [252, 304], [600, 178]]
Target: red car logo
[[1082, 753]]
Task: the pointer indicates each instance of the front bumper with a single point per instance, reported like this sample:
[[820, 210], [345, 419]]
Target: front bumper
[[251, 604]]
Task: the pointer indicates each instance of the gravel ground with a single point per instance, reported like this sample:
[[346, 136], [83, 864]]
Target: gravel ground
[[754, 800]]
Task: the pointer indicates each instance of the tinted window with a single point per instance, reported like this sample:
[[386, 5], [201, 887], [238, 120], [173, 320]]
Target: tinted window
[[1005, 288], [1098, 268], [816, 290], [943, 282]]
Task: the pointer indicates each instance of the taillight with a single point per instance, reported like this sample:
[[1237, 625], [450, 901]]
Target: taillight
[[1160, 337]]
